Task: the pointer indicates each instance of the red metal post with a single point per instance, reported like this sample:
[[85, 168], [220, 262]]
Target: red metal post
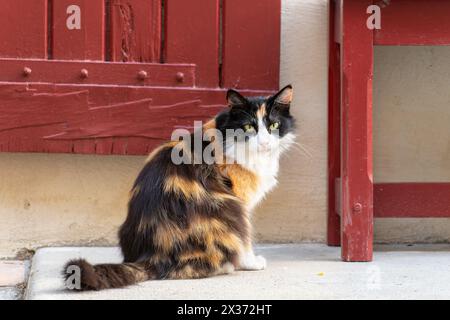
[[356, 139]]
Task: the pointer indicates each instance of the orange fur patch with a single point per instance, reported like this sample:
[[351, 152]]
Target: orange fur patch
[[245, 183], [211, 124], [212, 232], [166, 235], [155, 151], [189, 189], [261, 113]]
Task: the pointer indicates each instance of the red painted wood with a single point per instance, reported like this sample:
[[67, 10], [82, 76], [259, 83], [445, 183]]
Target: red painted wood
[[334, 165], [192, 36], [356, 139], [413, 200], [86, 43], [251, 44], [24, 29], [135, 31], [82, 106], [99, 119], [418, 22], [98, 72]]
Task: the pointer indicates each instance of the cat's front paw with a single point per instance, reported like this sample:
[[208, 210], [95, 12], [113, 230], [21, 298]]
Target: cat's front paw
[[261, 262], [253, 263]]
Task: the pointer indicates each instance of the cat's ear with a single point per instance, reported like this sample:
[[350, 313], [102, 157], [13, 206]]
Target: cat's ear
[[234, 98], [284, 96]]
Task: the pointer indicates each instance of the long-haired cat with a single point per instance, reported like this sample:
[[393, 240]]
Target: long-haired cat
[[192, 220]]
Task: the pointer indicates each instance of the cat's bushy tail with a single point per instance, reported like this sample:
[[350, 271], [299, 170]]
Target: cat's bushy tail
[[103, 276]]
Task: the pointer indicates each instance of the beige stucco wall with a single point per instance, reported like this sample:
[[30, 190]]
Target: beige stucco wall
[[48, 199], [296, 211], [412, 130]]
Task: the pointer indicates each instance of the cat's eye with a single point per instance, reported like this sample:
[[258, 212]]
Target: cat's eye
[[274, 126], [249, 128]]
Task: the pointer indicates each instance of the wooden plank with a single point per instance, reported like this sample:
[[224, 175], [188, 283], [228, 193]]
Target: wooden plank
[[83, 41], [334, 149], [251, 44], [356, 139], [412, 200], [24, 29], [135, 30], [419, 22], [192, 36], [99, 119], [97, 73]]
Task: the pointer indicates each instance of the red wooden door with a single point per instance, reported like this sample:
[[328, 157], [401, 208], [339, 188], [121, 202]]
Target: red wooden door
[[116, 76]]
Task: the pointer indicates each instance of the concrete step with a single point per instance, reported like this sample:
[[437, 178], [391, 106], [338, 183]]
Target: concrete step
[[12, 274], [295, 271], [10, 293]]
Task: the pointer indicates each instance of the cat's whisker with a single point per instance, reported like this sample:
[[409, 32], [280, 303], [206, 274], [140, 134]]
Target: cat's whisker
[[303, 148]]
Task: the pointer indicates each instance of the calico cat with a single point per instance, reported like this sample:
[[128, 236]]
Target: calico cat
[[190, 221]]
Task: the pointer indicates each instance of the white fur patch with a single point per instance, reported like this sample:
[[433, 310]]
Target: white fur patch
[[265, 165], [248, 261]]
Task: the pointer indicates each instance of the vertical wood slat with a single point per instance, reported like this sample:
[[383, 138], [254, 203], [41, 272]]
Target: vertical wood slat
[[334, 152], [356, 138], [24, 29], [251, 44], [135, 31], [86, 43], [192, 36]]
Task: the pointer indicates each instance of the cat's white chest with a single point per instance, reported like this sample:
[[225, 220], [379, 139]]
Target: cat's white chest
[[266, 169]]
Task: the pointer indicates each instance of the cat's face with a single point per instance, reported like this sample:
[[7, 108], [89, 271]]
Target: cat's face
[[262, 124]]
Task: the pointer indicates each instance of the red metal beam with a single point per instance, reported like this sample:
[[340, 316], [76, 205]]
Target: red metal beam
[[412, 200], [418, 22], [356, 139]]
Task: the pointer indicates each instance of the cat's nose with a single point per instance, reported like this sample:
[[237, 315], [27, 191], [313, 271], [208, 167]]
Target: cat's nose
[[264, 146]]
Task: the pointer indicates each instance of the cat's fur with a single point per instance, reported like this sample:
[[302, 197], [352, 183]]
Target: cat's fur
[[193, 220]]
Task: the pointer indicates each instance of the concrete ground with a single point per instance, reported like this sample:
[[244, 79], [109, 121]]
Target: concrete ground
[[13, 274], [295, 271]]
